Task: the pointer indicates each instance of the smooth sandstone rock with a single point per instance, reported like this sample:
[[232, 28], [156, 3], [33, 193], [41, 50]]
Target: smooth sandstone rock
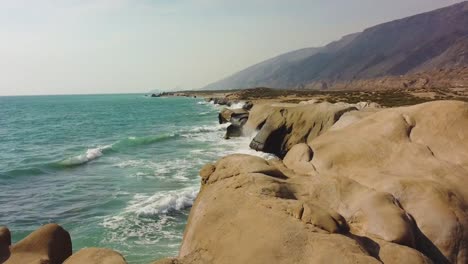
[[96, 256], [390, 186], [48, 244], [285, 127]]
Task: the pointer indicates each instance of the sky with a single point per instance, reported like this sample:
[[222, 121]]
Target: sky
[[132, 46]]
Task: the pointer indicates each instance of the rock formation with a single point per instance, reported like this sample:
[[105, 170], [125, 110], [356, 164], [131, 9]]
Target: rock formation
[[96, 256], [284, 126], [49, 244], [5, 243], [369, 186], [237, 118]]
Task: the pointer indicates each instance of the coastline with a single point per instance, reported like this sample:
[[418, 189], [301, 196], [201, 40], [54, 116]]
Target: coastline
[[339, 183]]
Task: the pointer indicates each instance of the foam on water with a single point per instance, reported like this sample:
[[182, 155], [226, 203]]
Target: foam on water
[[149, 219], [94, 153], [237, 105], [205, 129], [172, 170], [91, 154], [162, 202]]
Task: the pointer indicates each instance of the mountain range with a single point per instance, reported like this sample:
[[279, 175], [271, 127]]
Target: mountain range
[[424, 42]]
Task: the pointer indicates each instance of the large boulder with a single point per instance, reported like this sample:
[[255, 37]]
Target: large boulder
[[232, 115], [237, 118], [233, 131], [5, 243], [389, 187], [96, 256], [49, 244], [285, 127]]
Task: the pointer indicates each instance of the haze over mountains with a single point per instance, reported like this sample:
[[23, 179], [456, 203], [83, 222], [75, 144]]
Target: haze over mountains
[[424, 42]]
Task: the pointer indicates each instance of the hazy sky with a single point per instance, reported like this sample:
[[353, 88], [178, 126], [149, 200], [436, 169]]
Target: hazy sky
[[105, 46]]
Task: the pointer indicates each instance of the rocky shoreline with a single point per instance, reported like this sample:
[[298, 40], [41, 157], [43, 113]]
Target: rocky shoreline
[[353, 183], [357, 183]]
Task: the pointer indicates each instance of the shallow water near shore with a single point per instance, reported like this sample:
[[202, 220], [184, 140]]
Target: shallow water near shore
[[116, 171]]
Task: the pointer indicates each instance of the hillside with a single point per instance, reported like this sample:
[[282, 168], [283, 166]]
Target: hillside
[[428, 41]]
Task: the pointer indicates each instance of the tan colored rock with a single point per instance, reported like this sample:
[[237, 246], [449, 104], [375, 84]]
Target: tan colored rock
[[167, 261], [96, 256], [5, 243], [251, 227], [226, 114], [287, 126], [391, 186], [48, 244], [299, 158]]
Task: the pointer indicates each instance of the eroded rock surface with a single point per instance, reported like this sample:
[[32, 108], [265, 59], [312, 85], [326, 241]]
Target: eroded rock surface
[[96, 256], [49, 244], [389, 186], [283, 126]]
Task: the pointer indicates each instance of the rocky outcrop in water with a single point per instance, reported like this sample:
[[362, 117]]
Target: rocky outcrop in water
[[370, 186], [237, 118], [51, 244]]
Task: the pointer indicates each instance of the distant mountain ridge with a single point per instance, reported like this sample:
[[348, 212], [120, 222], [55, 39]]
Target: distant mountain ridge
[[436, 39]]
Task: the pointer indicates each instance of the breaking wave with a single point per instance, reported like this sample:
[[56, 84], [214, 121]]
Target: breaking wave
[[94, 153], [162, 202]]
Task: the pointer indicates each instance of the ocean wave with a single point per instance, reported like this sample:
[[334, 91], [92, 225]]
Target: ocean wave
[[206, 128], [94, 153], [162, 202], [91, 154], [22, 172], [148, 220], [173, 170], [141, 141]]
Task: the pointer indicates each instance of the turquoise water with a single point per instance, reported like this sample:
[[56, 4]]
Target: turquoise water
[[116, 171]]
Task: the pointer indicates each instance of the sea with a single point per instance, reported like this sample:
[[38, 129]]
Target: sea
[[116, 171]]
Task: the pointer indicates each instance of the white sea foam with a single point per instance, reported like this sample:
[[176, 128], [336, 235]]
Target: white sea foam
[[125, 228], [162, 202], [209, 128], [91, 154], [171, 170], [237, 105], [148, 218], [94, 153]]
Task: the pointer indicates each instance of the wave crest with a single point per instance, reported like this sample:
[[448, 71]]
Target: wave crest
[[162, 202], [94, 153], [91, 154]]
